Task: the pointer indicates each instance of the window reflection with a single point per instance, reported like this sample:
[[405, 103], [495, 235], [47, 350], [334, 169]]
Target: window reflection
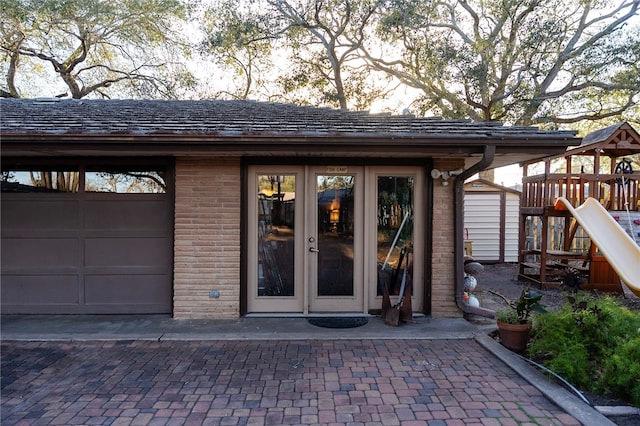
[[130, 182], [122, 182], [335, 210], [40, 181], [395, 231], [276, 213]]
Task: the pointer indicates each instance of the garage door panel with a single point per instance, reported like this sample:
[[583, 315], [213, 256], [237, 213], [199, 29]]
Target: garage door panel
[[44, 253], [113, 289], [41, 214], [134, 215], [40, 289], [119, 252]]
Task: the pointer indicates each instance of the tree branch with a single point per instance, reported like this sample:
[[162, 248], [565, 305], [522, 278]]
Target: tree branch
[[596, 115]]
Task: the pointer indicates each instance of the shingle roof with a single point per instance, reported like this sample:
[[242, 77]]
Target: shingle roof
[[600, 134], [56, 127], [233, 118]]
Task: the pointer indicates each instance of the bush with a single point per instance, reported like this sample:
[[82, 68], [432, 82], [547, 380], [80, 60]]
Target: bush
[[593, 344], [621, 375]]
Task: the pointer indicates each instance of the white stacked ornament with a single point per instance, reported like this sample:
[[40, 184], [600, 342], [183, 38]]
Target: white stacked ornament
[[471, 268]]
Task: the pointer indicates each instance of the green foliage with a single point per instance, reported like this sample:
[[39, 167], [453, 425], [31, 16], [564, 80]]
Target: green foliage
[[241, 40], [553, 63], [520, 311], [306, 52], [621, 372], [507, 316], [594, 344], [91, 45], [523, 62]]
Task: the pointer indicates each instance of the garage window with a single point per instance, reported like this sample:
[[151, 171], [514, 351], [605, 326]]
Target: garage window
[[103, 180], [126, 182], [40, 181]]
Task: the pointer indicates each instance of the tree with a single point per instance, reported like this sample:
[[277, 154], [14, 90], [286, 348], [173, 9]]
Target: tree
[[518, 61], [93, 46], [325, 37], [320, 41], [60, 181], [238, 38]]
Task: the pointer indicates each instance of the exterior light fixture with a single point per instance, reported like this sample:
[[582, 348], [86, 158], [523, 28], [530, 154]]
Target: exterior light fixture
[[445, 175]]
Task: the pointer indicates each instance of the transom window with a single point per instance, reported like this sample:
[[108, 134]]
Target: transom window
[[143, 180]]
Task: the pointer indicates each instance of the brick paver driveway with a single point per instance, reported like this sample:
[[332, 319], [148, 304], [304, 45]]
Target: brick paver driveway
[[429, 382]]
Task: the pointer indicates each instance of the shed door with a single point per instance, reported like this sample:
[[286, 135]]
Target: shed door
[[86, 242]]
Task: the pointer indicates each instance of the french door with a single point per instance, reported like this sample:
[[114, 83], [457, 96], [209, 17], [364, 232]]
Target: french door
[[326, 238], [334, 231]]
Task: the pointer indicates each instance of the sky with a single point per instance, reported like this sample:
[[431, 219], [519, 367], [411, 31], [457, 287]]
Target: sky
[[508, 176]]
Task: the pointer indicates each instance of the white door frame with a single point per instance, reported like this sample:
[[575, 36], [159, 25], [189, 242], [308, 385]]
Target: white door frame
[[280, 304], [351, 303], [365, 298], [374, 301]]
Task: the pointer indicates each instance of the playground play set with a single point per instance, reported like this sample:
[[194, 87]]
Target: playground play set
[[581, 226]]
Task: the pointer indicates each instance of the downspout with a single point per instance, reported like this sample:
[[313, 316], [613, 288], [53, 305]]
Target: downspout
[[458, 208]]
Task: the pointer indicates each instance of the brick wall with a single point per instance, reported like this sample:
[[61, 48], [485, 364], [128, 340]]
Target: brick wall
[[443, 268], [207, 238]]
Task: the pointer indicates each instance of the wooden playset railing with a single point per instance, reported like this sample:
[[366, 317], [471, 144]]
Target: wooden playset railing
[[615, 192]]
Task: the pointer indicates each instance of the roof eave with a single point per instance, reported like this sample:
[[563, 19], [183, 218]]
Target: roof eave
[[175, 144]]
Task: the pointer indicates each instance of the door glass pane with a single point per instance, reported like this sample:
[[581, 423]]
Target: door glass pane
[[276, 204], [395, 231], [335, 208]]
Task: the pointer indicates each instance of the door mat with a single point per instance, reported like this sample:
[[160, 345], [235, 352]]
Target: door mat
[[338, 322]]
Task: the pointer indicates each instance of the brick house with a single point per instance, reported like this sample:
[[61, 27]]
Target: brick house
[[219, 209]]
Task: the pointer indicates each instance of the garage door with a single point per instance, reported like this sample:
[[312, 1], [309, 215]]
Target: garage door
[[87, 241]]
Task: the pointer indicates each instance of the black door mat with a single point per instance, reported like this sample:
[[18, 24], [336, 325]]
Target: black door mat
[[338, 322]]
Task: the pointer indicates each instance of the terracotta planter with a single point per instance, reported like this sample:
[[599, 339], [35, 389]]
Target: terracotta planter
[[514, 336]]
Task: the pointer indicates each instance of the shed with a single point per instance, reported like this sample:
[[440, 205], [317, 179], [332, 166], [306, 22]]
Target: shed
[[491, 221]]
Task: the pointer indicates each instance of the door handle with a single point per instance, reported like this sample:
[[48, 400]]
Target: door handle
[[314, 250]]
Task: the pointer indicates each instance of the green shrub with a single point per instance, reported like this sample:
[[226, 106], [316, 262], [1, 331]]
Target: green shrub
[[621, 373], [592, 344], [558, 345]]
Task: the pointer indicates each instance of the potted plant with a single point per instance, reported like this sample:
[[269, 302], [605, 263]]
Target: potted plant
[[515, 322]]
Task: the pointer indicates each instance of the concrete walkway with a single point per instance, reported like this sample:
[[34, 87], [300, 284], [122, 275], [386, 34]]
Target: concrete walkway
[[112, 370]]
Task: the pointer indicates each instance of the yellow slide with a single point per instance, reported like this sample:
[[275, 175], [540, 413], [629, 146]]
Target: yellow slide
[[622, 253]]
